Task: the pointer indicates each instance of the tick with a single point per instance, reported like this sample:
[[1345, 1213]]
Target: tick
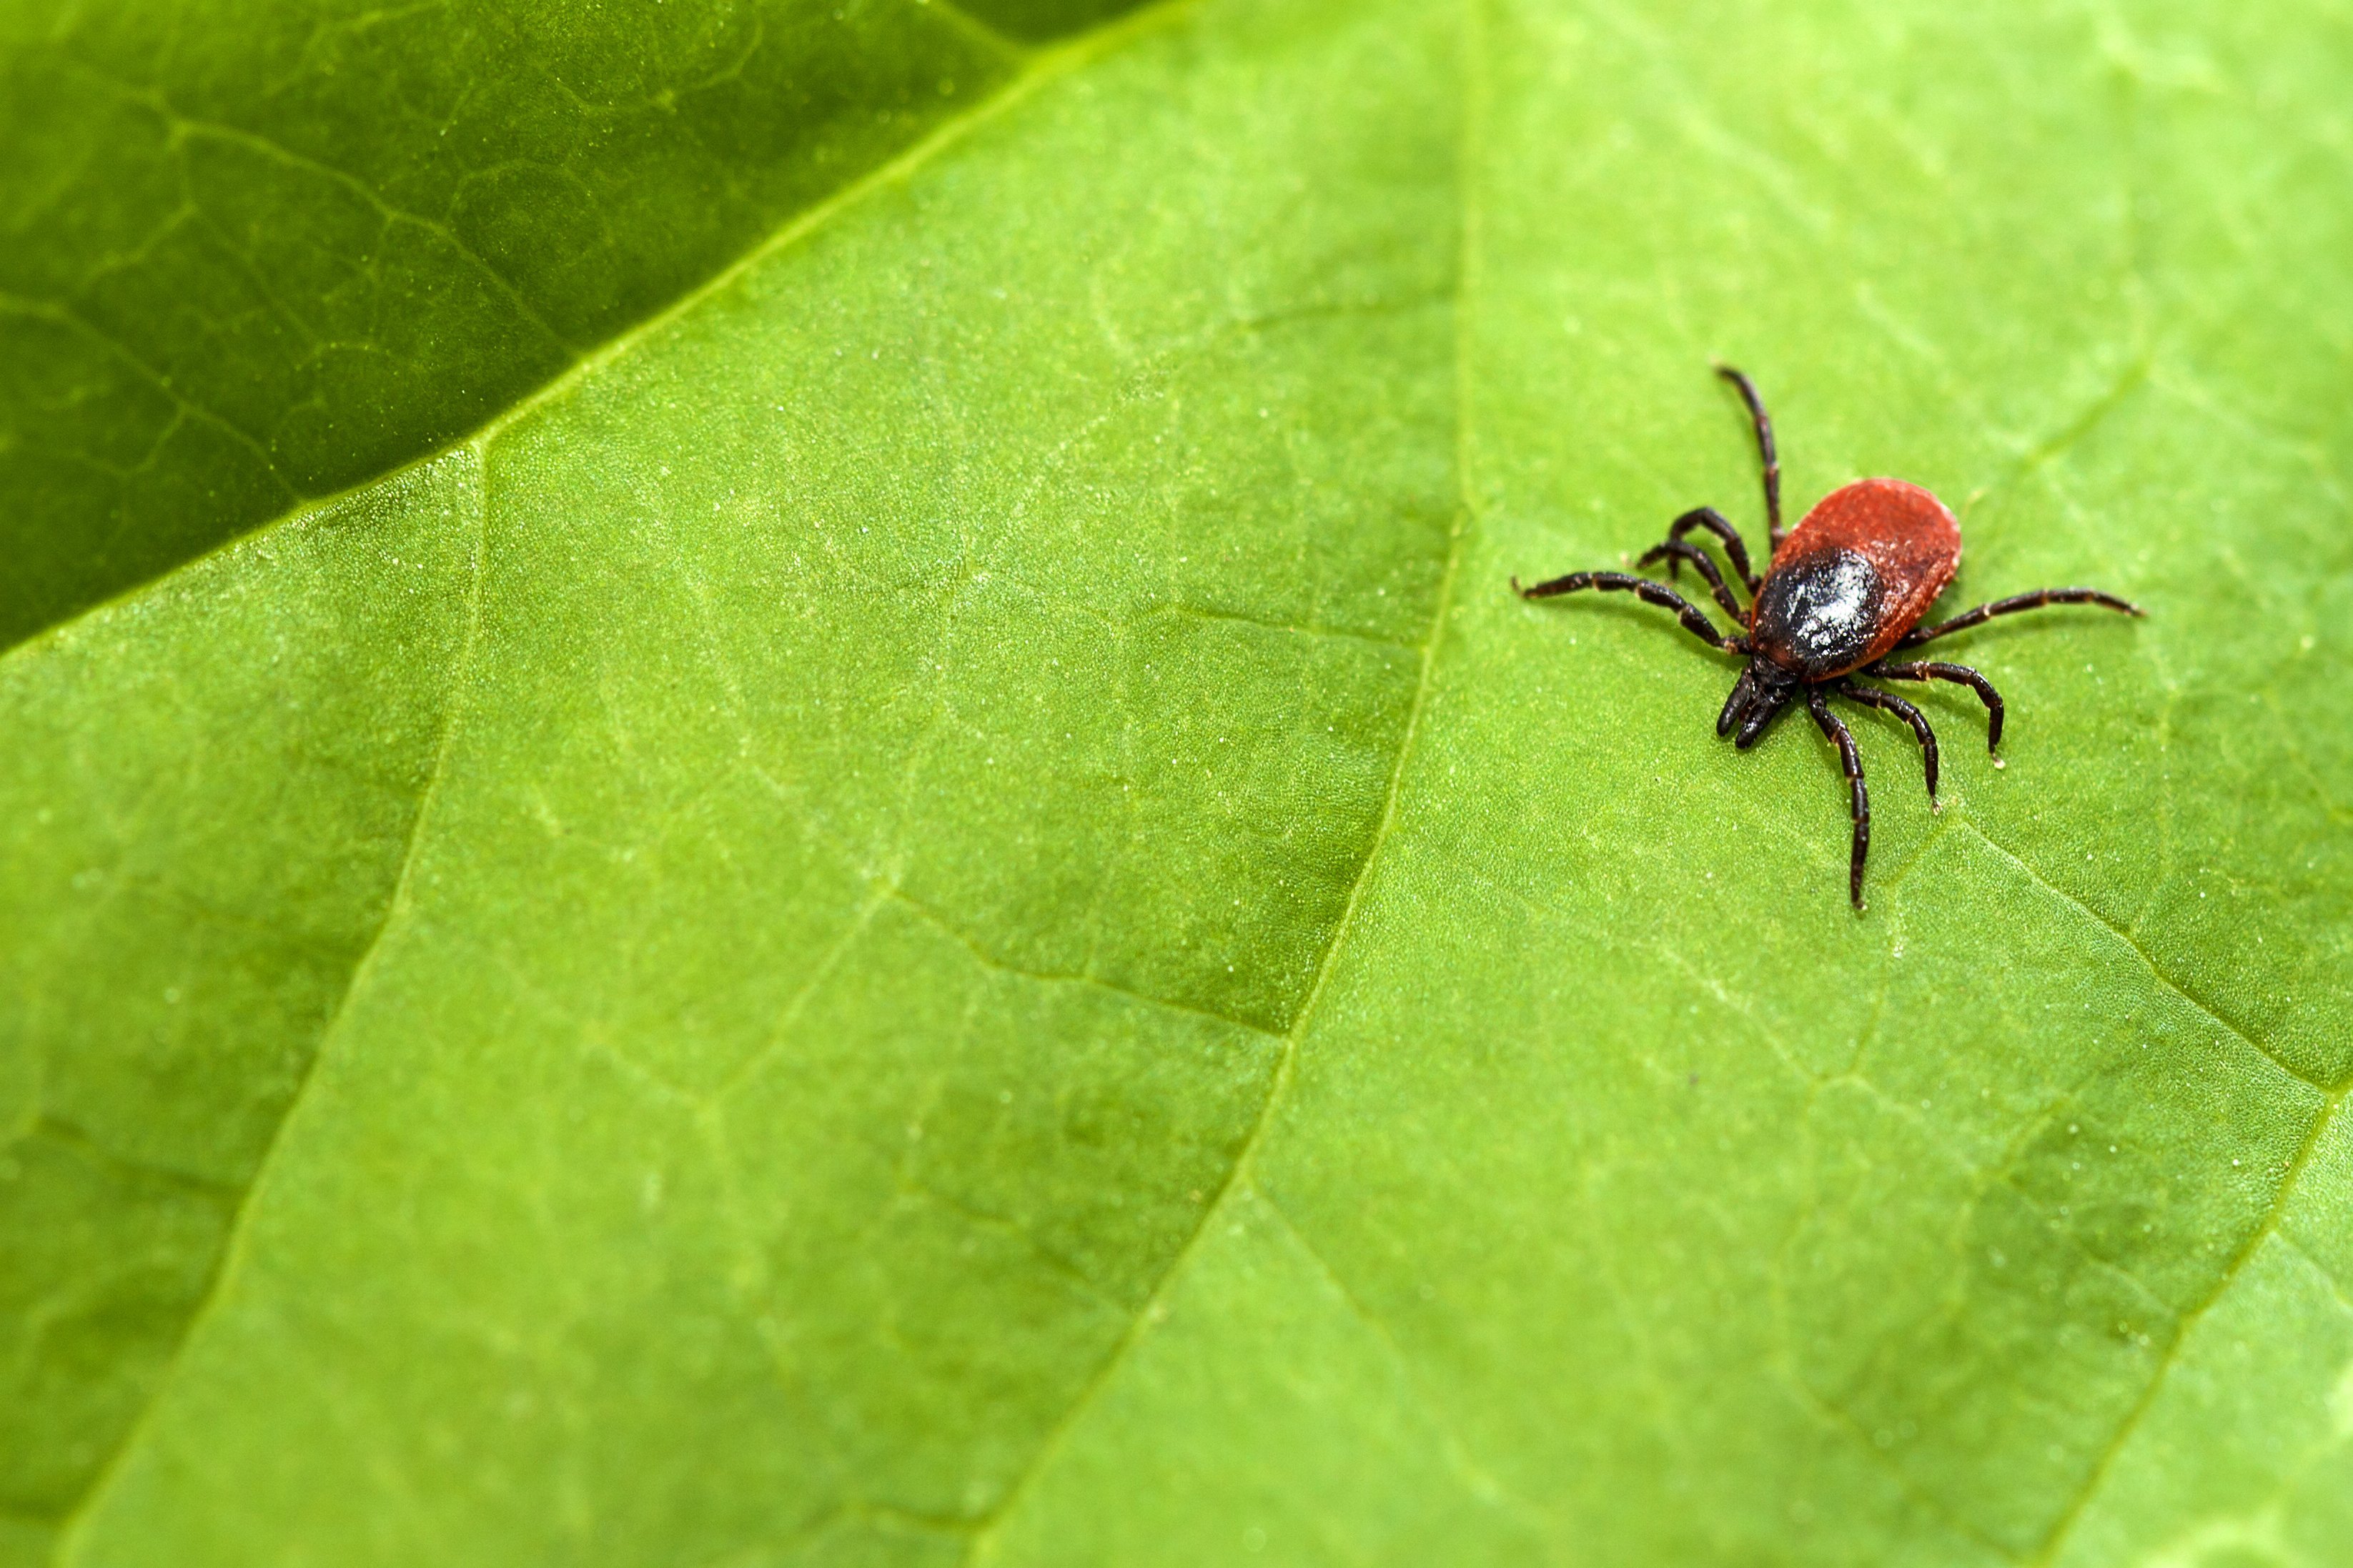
[[1843, 591]]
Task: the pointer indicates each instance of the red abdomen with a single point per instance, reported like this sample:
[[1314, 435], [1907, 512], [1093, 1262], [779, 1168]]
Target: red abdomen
[[1851, 578]]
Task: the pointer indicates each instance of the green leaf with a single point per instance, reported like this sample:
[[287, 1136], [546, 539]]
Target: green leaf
[[262, 253], [937, 907]]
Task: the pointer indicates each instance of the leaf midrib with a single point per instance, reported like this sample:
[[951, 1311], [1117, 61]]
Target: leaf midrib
[[1040, 69]]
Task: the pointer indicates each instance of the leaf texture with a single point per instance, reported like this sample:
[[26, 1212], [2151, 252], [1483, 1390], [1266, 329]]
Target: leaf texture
[[937, 909], [259, 254]]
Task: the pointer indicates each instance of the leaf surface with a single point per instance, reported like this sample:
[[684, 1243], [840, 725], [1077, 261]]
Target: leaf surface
[[939, 909], [263, 252]]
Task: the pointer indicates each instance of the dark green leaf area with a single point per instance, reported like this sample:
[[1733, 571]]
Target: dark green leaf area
[[1041, 19], [264, 254]]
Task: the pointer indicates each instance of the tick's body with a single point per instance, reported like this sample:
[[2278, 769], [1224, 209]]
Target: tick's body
[[1844, 589], [1851, 578]]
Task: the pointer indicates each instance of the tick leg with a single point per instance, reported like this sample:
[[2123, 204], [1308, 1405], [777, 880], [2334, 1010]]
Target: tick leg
[[1764, 423], [1675, 550], [2015, 603], [1650, 593], [1960, 675], [1708, 517], [1871, 698], [1835, 728]]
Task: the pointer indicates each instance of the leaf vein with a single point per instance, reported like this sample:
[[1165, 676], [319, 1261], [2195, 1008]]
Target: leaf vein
[[1045, 67], [232, 1258], [981, 1545], [183, 125], [2098, 1474], [2335, 1288], [1475, 1475], [989, 960], [64, 315], [2167, 981]]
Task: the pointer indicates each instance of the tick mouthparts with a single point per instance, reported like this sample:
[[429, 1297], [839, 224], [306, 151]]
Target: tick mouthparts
[[1735, 706]]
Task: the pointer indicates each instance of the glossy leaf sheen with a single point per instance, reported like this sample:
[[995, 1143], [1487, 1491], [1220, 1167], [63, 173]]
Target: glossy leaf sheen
[[938, 909]]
